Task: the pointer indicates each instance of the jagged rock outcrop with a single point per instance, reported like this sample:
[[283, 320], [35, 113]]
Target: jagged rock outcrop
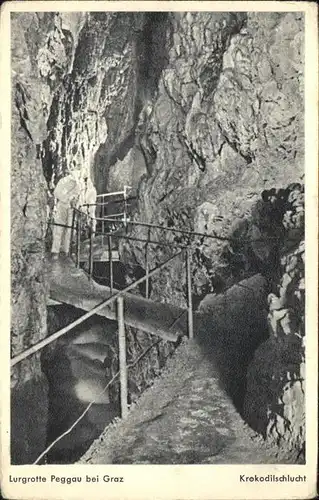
[[69, 72], [275, 399], [27, 186], [96, 103], [128, 171], [226, 124], [224, 143], [39, 60], [202, 113]]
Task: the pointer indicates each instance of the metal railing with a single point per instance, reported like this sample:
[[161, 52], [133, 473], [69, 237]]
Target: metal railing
[[118, 296], [104, 201], [108, 238], [191, 234], [35, 348], [146, 278]]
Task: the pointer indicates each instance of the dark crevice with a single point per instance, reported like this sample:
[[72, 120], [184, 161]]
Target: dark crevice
[[247, 157], [152, 52], [151, 59]]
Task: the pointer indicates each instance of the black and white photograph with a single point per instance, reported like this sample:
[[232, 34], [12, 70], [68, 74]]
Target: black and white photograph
[[157, 270]]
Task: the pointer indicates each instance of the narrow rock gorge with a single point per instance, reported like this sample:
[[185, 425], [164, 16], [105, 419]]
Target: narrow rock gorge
[[202, 115]]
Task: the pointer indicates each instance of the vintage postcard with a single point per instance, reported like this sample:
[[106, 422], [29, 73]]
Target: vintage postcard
[[159, 250]]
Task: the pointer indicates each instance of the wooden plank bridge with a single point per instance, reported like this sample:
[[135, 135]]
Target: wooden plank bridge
[[101, 251]]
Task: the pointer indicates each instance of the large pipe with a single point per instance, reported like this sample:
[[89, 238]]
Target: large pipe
[[85, 316], [110, 262]]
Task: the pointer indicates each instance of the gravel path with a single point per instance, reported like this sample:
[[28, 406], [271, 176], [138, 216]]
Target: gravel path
[[184, 418]]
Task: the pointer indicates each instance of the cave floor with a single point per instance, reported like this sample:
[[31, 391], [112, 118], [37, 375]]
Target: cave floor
[[184, 418]]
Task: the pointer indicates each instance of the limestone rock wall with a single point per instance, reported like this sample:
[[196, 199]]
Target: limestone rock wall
[[275, 399], [127, 172], [94, 109], [40, 59], [74, 87], [74, 81], [225, 124], [224, 148], [206, 111]]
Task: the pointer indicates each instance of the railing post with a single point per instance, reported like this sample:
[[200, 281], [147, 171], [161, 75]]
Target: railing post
[[91, 253], [125, 210], [122, 357], [78, 239], [125, 206], [147, 291], [103, 224], [110, 263], [72, 232], [189, 294]]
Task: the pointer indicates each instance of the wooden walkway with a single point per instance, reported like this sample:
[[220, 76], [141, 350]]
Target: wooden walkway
[[72, 286], [238, 307], [100, 250]]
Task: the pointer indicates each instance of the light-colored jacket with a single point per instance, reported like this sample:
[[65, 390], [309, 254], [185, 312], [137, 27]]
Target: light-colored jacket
[[88, 193], [88, 197]]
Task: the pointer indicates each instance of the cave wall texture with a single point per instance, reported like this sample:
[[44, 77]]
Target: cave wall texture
[[202, 113], [226, 124], [69, 71], [225, 144], [275, 399], [39, 60]]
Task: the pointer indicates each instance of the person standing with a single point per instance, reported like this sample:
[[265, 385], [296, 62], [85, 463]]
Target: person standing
[[67, 195], [88, 199]]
